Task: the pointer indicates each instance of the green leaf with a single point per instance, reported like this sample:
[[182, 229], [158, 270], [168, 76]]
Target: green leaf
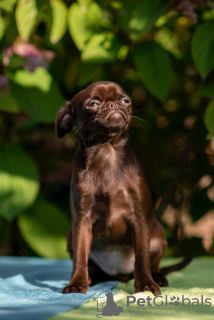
[[165, 37], [209, 118], [26, 16], [2, 27], [37, 94], [43, 5], [9, 104], [84, 3], [40, 78], [11, 33], [102, 47], [145, 15], [44, 228], [19, 181], [154, 68], [203, 48], [58, 28], [7, 5], [83, 22]]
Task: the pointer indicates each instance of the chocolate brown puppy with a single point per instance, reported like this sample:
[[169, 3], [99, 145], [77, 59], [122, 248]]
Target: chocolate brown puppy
[[114, 233]]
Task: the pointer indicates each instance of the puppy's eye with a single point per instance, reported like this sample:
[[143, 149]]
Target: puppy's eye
[[125, 101], [93, 104]]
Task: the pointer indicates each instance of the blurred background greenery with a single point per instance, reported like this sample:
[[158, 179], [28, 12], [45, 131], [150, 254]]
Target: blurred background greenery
[[162, 54]]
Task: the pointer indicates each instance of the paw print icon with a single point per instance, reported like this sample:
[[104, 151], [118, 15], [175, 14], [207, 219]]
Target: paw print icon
[[175, 301]]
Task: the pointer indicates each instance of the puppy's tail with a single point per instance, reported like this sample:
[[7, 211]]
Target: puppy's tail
[[176, 267]]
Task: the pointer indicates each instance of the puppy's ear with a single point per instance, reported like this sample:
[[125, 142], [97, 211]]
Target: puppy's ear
[[64, 120]]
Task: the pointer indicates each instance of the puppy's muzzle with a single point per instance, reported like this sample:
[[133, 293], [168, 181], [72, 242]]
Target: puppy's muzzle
[[115, 113]]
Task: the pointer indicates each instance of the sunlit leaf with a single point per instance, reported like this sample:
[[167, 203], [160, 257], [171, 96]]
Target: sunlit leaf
[[9, 104], [40, 79], [168, 41], [203, 48], [101, 48], [84, 3], [44, 228], [7, 5], [19, 181], [26, 16], [58, 28], [154, 68], [83, 22], [2, 27], [209, 118], [144, 16], [37, 94]]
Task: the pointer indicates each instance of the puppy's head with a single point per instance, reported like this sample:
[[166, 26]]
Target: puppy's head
[[102, 109]]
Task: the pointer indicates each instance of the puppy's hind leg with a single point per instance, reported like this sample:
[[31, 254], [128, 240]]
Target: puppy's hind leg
[[158, 245]]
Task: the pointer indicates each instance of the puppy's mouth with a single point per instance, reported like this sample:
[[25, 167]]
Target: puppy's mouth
[[116, 115], [115, 120], [112, 121], [107, 123]]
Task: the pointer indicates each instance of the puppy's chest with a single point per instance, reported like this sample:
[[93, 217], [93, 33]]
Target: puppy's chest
[[103, 169], [110, 213]]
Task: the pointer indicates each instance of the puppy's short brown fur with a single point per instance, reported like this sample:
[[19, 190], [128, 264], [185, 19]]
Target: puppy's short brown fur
[[115, 233]]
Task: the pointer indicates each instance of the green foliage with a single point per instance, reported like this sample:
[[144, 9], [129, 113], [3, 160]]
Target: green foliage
[[144, 16], [19, 181], [154, 67], [160, 53], [207, 91], [2, 27], [9, 104], [83, 22], [203, 48], [59, 26], [26, 16], [37, 94], [7, 5], [40, 79], [44, 228], [209, 118], [101, 48]]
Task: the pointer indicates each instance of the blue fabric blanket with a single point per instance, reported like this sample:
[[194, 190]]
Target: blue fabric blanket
[[30, 288]]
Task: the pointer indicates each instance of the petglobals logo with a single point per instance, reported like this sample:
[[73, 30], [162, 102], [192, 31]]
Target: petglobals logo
[[160, 301], [110, 308]]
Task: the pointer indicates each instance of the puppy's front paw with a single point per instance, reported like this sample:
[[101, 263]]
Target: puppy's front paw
[[75, 287], [148, 286]]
